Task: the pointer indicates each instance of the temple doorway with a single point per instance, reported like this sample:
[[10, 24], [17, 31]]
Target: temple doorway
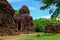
[[19, 25]]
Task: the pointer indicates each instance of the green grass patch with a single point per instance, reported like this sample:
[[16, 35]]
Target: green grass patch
[[43, 37]]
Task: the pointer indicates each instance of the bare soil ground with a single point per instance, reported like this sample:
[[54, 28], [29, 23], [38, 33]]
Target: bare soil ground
[[17, 37]]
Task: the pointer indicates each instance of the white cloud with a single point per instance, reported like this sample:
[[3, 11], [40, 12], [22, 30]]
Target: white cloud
[[47, 17], [32, 8], [15, 0]]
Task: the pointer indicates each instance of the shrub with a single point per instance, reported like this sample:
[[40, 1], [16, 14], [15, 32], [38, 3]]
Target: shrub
[[38, 35], [39, 24]]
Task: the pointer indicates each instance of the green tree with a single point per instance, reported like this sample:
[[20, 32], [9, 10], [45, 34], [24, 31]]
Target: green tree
[[39, 24], [48, 4]]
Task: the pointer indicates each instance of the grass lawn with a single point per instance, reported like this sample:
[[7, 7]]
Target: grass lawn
[[42, 37]]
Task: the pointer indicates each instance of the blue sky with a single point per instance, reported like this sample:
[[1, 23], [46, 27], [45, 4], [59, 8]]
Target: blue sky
[[34, 7]]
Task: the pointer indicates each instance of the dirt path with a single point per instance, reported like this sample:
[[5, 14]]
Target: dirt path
[[12, 38], [18, 37], [15, 37]]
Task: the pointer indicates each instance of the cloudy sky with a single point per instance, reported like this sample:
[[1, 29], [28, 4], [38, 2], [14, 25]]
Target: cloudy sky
[[34, 7]]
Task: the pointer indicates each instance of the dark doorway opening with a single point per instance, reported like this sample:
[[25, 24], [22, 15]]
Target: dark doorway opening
[[19, 25]]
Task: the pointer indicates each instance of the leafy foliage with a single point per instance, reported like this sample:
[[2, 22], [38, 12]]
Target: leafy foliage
[[48, 4], [39, 24]]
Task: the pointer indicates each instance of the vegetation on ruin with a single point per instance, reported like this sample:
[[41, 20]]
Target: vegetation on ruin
[[17, 12]]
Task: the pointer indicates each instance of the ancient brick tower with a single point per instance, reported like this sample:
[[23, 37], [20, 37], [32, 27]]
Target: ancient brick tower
[[7, 25], [10, 25], [6, 12], [25, 21]]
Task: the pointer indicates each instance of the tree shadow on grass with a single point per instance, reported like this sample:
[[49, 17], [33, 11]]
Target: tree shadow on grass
[[45, 34]]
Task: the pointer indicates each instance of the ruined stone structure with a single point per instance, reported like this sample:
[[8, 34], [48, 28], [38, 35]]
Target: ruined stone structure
[[11, 24], [6, 12], [25, 21], [50, 28], [7, 24]]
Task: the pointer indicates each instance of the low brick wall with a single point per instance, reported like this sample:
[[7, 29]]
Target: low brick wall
[[50, 28]]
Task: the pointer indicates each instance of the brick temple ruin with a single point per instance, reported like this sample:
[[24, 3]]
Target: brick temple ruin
[[50, 28], [24, 21], [10, 24]]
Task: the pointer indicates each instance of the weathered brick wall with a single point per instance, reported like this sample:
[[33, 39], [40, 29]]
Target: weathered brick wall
[[50, 28], [10, 24], [25, 20], [7, 24]]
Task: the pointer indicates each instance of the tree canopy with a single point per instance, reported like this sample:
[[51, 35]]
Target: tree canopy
[[40, 24], [48, 4]]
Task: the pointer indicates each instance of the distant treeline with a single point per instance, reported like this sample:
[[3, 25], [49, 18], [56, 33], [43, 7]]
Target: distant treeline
[[39, 24]]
